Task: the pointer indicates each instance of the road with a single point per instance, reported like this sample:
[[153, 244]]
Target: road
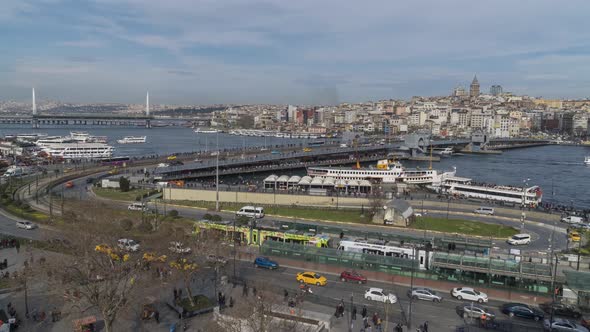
[[442, 316]]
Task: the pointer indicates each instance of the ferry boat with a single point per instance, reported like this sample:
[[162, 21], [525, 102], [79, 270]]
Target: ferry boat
[[445, 152], [81, 136], [207, 131], [386, 172], [98, 139], [464, 187], [587, 160], [78, 150], [30, 137], [132, 140]]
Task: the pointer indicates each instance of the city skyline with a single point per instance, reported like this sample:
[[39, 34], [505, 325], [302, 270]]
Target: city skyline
[[187, 52]]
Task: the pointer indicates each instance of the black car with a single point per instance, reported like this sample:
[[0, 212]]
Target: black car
[[561, 309], [522, 310]]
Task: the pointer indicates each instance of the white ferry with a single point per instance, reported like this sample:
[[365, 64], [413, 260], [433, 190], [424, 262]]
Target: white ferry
[[207, 131], [587, 160], [464, 187], [78, 150], [81, 136], [132, 140], [445, 152], [386, 172], [30, 137]]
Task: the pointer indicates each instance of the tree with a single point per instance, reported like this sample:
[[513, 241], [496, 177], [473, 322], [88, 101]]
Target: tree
[[99, 276], [124, 184]]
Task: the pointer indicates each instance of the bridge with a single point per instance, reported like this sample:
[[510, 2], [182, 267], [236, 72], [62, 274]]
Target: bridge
[[96, 119]]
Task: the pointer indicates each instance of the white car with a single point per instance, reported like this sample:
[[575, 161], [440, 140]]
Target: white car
[[25, 225], [377, 294], [136, 207], [469, 294], [179, 248], [128, 244], [517, 239]]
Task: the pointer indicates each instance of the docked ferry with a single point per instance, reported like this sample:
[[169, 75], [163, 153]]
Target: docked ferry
[[464, 187], [386, 172], [132, 140], [80, 150], [207, 131]]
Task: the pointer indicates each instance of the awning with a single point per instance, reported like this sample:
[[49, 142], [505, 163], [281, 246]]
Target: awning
[[577, 280]]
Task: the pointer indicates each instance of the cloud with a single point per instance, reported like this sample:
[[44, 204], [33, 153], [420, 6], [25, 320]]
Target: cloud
[[85, 43]]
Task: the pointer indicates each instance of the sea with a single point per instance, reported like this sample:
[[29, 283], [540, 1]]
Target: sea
[[558, 169]]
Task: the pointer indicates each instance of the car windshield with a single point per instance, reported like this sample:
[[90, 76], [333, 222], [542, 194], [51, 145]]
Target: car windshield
[[317, 276], [476, 292]]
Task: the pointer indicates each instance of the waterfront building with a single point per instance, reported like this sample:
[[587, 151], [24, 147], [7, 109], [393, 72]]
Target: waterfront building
[[496, 90]]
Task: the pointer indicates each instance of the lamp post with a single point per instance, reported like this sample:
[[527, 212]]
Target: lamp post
[[448, 206], [524, 185]]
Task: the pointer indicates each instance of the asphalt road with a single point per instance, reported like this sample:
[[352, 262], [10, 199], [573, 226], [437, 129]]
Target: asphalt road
[[442, 316]]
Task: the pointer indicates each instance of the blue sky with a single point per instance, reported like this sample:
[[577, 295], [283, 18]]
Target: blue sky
[[301, 52]]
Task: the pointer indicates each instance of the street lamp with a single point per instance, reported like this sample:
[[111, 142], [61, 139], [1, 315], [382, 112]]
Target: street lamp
[[525, 184]]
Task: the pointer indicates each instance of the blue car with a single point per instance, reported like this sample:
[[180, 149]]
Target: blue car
[[266, 263]]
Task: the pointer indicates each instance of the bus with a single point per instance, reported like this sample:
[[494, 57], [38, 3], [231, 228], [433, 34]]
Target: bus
[[316, 143], [116, 161]]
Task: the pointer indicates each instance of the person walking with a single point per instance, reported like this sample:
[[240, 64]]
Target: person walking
[[354, 313], [364, 311], [425, 326]]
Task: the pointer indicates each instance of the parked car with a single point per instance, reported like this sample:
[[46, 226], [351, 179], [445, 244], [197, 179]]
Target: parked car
[[377, 294], [251, 212], [128, 244], [470, 310], [424, 294], [518, 239], [469, 294], [179, 248], [561, 309], [353, 276], [522, 310], [25, 225], [484, 210], [311, 278], [266, 263], [562, 325]]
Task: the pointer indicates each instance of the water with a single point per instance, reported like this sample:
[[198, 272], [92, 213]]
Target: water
[[558, 170], [161, 140]]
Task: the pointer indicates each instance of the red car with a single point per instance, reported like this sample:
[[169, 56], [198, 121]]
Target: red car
[[353, 276]]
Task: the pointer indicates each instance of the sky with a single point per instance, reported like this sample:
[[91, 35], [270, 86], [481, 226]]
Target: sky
[[297, 52]]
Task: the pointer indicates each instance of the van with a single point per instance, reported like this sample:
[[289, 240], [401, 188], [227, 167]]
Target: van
[[484, 210], [517, 239], [572, 220], [136, 207], [251, 211]]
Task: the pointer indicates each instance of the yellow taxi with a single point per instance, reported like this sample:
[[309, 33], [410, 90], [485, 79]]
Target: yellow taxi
[[574, 236], [312, 278], [172, 157], [307, 150]]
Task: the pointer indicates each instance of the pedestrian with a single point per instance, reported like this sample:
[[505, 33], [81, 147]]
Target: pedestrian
[[219, 298], [245, 290], [425, 326], [17, 246], [354, 313], [254, 291], [175, 294], [364, 311], [375, 318]]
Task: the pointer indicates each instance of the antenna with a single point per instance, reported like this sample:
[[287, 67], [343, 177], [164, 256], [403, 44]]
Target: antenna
[[34, 103]]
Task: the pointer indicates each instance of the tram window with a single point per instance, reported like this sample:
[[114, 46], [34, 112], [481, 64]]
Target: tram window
[[421, 260]]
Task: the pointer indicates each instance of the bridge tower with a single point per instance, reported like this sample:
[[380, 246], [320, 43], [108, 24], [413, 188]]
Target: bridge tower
[[479, 141], [35, 119], [148, 123]]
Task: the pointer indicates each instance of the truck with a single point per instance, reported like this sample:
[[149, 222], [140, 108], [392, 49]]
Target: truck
[[17, 171], [572, 220]]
